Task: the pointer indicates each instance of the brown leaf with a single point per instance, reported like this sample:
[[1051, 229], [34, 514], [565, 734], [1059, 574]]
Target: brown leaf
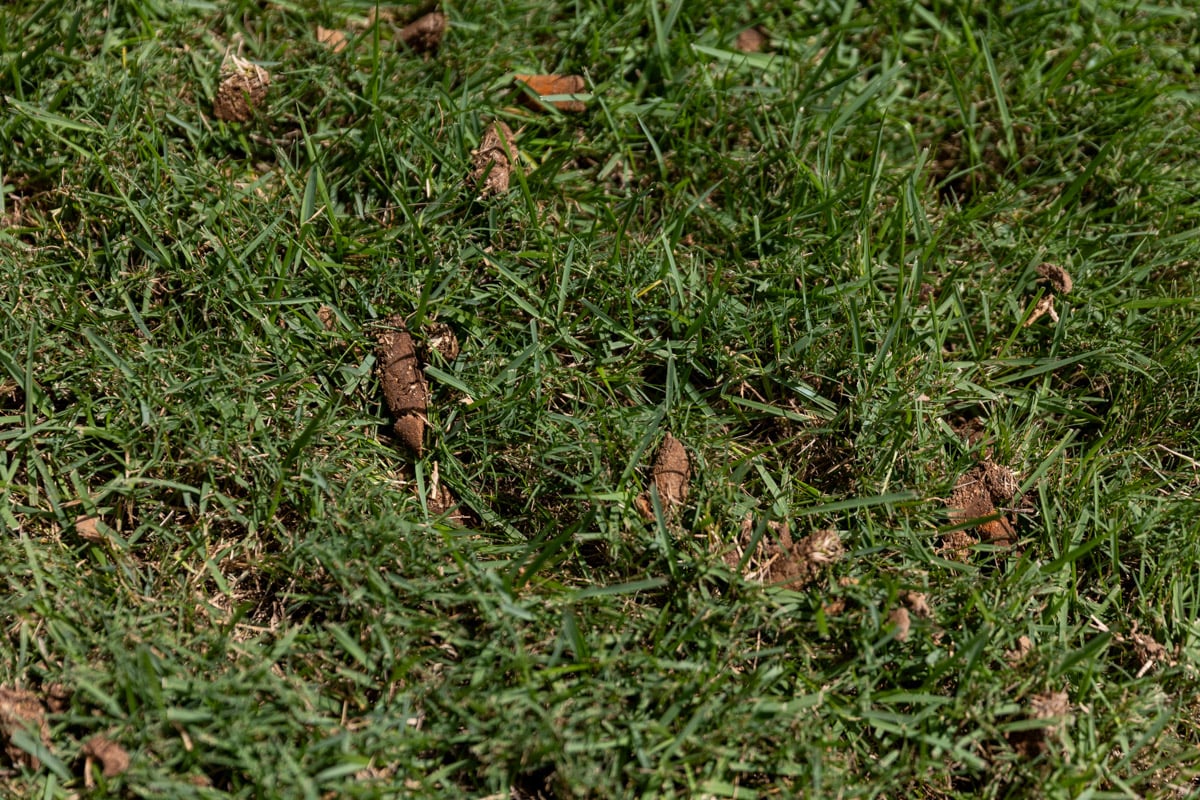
[[113, 758], [546, 85], [22, 710], [1058, 279], [425, 34], [335, 40], [242, 90], [751, 40], [494, 160], [403, 383]]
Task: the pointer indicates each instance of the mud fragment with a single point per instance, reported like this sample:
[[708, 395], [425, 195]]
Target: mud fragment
[[1019, 653], [242, 90], [113, 758], [1052, 707], [335, 40], [1057, 278], [672, 469], [440, 339], [900, 622], [494, 160], [425, 34], [783, 561], [547, 85], [975, 497], [751, 40], [404, 387], [21, 710], [1044, 307], [917, 603]]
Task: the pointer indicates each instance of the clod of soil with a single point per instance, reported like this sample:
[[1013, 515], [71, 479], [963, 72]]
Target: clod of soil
[[22, 710], [1044, 307], [917, 603], [1057, 278], [1019, 653], [88, 529], [113, 758], [976, 495], [547, 85], [751, 40], [784, 561], [328, 317], [494, 160], [899, 620], [1055, 709], [440, 339], [335, 40], [403, 383], [425, 34], [672, 469], [243, 89]]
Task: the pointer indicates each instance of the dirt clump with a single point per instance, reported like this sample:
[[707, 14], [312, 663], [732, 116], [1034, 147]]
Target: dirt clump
[[21, 710], [672, 470], [751, 40], [548, 85], [900, 623], [1057, 281], [424, 35], [1052, 708], [334, 39], [404, 387], [494, 160], [114, 760], [1019, 653], [975, 497], [917, 603], [440, 339], [784, 561], [242, 90]]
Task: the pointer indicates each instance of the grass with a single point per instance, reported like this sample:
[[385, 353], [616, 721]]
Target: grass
[[811, 264]]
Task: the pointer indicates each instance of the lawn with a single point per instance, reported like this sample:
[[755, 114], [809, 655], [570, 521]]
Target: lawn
[[751, 400]]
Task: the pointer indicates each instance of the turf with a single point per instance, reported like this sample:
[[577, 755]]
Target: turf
[[812, 264]]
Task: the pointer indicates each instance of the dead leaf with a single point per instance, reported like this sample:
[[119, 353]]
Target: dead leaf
[[425, 34], [21, 710], [494, 160], [113, 758], [549, 85], [751, 40], [335, 40], [242, 90], [403, 383]]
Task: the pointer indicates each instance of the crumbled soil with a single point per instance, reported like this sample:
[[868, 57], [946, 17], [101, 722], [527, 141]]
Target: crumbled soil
[[917, 603], [1055, 709], [546, 85], [243, 89], [22, 710], [784, 561], [334, 39], [494, 160], [328, 317], [976, 496], [440, 339], [752, 40], [404, 387], [425, 34], [1019, 653], [88, 529], [672, 470], [1057, 278], [900, 622], [113, 758]]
